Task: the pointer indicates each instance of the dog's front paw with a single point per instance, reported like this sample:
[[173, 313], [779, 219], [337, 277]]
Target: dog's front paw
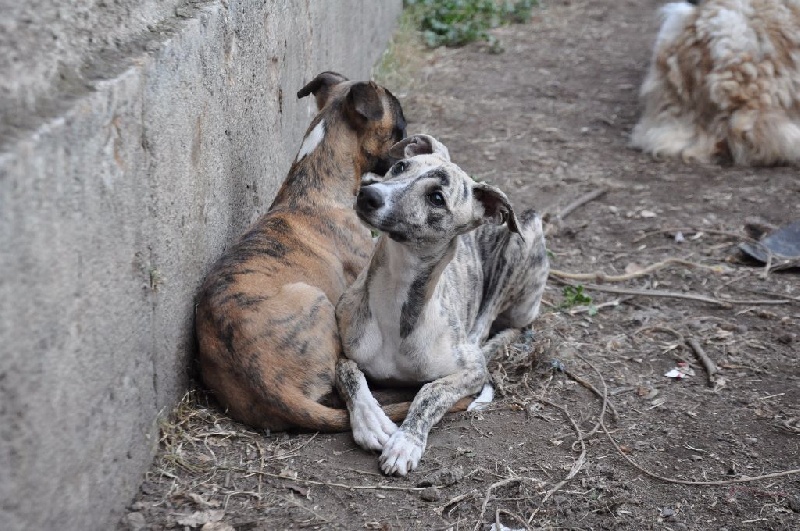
[[371, 427], [402, 453]]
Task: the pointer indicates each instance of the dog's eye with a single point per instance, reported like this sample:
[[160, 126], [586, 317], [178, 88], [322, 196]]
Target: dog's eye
[[436, 198], [399, 167]]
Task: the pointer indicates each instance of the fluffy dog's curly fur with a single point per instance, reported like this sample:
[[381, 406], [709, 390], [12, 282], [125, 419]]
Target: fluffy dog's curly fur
[[724, 81]]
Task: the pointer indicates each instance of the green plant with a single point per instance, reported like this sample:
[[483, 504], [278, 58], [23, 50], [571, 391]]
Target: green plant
[[574, 296], [458, 22]]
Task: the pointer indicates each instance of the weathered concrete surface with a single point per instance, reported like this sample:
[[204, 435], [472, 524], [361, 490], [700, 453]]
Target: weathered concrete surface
[[113, 208]]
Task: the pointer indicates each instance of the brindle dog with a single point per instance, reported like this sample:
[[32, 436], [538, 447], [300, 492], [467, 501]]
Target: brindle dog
[[442, 277], [268, 341]]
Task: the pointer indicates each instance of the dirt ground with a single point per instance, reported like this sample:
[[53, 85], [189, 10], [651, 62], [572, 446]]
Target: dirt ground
[[548, 120]]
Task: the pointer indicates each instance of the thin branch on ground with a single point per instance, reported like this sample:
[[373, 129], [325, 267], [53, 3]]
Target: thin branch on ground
[[726, 303], [734, 235], [653, 475], [604, 396], [650, 293], [495, 485], [576, 466], [776, 295], [582, 200], [447, 506], [692, 482], [663, 329], [588, 385], [323, 483], [708, 363], [599, 276]]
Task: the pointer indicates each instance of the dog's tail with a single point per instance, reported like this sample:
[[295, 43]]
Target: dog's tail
[[313, 416]]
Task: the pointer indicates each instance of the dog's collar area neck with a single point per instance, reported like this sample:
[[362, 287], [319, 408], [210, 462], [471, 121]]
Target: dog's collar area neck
[[426, 253]]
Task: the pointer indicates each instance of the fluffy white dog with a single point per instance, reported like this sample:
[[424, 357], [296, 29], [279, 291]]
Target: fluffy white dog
[[724, 81]]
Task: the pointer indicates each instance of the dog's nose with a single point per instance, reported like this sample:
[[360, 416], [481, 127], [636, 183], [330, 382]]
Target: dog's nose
[[369, 199]]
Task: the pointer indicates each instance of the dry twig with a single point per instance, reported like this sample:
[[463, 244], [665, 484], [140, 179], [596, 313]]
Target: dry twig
[[576, 466], [691, 482], [599, 276], [724, 303], [323, 483], [652, 293], [582, 200], [683, 481], [588, 385], [729, 234], [553, 218], [708, 363], [493, 486]]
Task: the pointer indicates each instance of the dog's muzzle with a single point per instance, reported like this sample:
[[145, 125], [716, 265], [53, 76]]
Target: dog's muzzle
[[369, 200]]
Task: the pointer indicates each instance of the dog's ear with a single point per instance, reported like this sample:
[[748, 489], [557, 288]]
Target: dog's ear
[[321, 86], [363, 103], [419, 145], [496, 206]]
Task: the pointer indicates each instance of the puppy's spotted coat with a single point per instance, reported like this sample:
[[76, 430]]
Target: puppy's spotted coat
[[439, 282]]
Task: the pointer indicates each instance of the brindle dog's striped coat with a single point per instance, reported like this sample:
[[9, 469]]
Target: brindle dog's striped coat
[[268, 341], [434, 290]]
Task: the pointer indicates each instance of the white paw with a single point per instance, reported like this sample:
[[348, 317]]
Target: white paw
[[483, 399], [371, 427], [402, 453]]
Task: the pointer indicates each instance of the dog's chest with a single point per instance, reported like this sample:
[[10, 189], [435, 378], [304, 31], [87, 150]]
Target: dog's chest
[[388, 353]]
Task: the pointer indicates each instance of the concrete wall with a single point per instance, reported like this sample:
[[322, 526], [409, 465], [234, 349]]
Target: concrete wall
[[116, 195]]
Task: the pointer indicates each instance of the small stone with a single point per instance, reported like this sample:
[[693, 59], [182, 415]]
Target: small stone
[[431, 494], [667, 512], [794, 503]]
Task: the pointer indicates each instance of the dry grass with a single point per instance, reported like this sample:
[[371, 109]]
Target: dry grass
[[404, 56]]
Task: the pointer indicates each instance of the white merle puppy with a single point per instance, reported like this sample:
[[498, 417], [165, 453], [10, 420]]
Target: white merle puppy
[[453, 265]]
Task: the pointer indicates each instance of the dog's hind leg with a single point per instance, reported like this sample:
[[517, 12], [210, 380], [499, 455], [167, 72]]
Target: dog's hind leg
[[371, 426], [489, 350], [525, 282]]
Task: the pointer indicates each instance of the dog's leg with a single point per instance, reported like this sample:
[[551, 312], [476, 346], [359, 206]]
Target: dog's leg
[[401, 454], [371, 427], [489, 350]]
